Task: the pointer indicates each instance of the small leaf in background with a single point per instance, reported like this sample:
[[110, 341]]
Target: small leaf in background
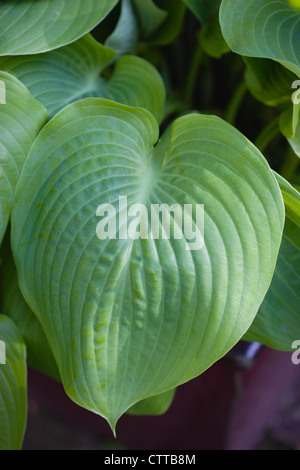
[[274, 35], [150, 16], [211, 38], [295, 4], [13, 305], [13, 387], [21, 118], [153, 406], [277, 323], [129, 319], [160, 20], [125, 36], [34, 26], [73, 72]]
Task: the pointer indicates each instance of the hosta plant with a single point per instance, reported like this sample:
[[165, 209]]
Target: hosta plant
[[115, 114]]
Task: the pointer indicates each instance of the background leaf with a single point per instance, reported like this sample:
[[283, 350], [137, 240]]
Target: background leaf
[[125, 36], [157, 405], [21, 118], [73, 72], [13, 387], [160, 20], [39, 354], [34, 26], [277, 323], [203, 9]]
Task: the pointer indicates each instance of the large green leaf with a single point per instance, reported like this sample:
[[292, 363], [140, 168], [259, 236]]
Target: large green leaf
[[21, 118], [129, 319], [263, 28], [13, 386], [59, 77], [34, 26], [13, 305], [277, 323]]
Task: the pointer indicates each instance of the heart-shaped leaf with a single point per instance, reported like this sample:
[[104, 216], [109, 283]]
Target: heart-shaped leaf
[[21, 118], [131, 317], [60, 77], [34, 26], [277, 323], [13, 386]]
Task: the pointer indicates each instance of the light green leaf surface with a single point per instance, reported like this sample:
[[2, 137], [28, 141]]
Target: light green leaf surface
[[34, 26], [153, 406], [13, 305], [70, 73], [277, 323], [129, 319], [21, 118], [13, 386]]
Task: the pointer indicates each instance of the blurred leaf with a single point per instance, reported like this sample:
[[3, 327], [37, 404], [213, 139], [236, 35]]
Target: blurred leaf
[[277, 323], [131, 318], [125, 36], [39, 355], [21, 118]]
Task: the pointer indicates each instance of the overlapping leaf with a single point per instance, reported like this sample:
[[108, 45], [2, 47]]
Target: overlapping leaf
[[34, 26], [129, 319], [211, 38], [13, 386], [39, 354], [160, 20], [157, 405], [60, 77], [125, 36], [203, 9], [21, 118], [278, 322], [269, 81]]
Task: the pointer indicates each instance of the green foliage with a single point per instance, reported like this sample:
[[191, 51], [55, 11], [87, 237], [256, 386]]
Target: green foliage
[[159, 102]]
